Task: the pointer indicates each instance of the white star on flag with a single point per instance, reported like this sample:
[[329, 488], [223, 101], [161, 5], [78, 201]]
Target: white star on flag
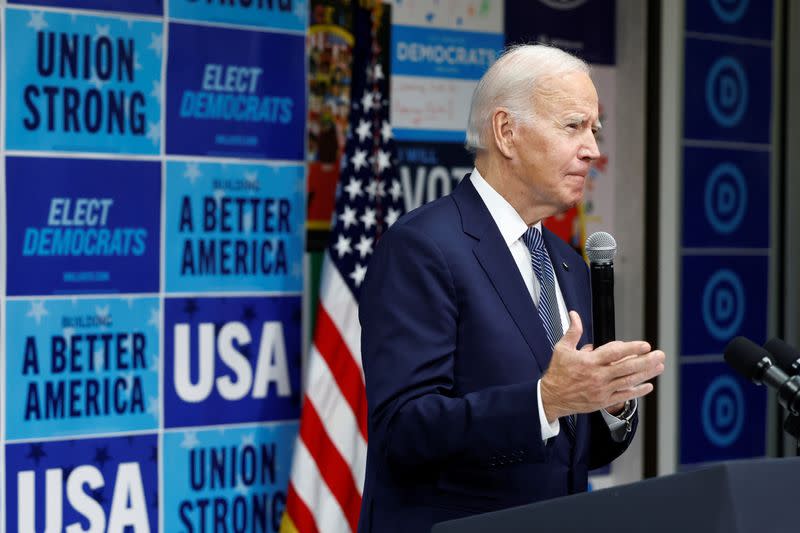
[[368, 101], [363, 130], [37, 21], [377, 72], [371, 189], [343, 246], [192, 172], [348, 218], [354, 188], [383, 161], [37, 311], [358, 274], [395, 190], [368, 218], [364, 246], [386, 131], [359, 159], [392, 215]]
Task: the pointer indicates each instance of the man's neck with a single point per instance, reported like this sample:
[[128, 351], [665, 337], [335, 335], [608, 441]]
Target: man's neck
[[501, 176]]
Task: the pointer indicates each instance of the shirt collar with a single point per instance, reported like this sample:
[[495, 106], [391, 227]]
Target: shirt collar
[[508, 221]]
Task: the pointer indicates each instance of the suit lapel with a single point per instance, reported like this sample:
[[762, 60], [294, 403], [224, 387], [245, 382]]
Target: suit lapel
[[498, 264]]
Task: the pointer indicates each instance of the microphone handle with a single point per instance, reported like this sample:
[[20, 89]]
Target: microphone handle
[[602, 303]]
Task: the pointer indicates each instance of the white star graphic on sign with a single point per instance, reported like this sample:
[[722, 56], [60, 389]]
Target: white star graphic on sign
[[348, 218], [354, 188], [136, 64], [155, 318], [371, 189], [102, 31], [362, 130], [219, 194], [192, 172], [358, 274], [247, 222], [190, 440], [130, 23], [251, 177], [67, 333], [152, 407], [37, 311], [97, 82], [391, 216], [395, 190], [383, 161], [364, 246], [102, 315], [359, 159], [154, 132], [156, 92], [128, 377], [156, 43], [129, 300], [248, 440], [367, 101], [37, 21], [368, 218], [377, 72], [153, 363], [241, 488], [99, 359], [343, 246], [386, 131]]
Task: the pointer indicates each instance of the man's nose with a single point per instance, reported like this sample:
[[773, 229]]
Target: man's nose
[[589, 151]]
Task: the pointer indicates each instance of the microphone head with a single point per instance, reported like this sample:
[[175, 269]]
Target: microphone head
[[784, 355], [601, 248], [747, 357]]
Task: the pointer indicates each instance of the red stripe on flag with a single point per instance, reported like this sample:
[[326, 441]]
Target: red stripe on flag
[[332, 466], [298, 511], [345, 371]]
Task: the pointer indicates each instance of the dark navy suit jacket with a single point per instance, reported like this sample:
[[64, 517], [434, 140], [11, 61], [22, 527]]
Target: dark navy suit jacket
[[452, 348]]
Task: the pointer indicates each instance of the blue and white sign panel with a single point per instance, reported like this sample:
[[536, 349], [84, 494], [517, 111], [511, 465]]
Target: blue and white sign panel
[[82, 226], [107, 484], [727, 93], [235, 93], [141, 7], [722, 415], [235, 479], [275, 14], [82, 83], [430, 170], [81, 366], [231, 360], [726, 198], [740, 18], [234, 227], [722, 297]]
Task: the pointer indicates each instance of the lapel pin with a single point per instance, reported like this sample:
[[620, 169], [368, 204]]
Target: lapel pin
[[565, 265]]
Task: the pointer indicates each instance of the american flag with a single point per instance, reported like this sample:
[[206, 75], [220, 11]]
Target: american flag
[[330, 454]]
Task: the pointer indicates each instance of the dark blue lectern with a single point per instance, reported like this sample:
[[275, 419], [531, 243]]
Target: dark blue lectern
[[752, 496]]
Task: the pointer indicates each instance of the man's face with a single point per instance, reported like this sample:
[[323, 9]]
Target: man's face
[[555, 152]]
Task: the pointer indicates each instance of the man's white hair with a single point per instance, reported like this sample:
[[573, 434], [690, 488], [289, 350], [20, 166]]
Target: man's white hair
[[510, 82]]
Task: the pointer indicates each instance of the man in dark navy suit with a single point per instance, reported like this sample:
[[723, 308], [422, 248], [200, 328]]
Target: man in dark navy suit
[[482, 387]]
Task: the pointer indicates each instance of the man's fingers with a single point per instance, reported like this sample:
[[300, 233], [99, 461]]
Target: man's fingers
[[574, 332], [587, 347], [646, 370], [630, 394], [614, 351], [634, 364]]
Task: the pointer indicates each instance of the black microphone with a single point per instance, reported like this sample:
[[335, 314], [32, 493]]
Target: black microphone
[[785, 356], [601, 249], [753, 362]]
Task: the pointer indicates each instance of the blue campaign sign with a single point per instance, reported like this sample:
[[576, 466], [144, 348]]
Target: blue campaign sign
[[142, 7], [726, 198], [722, 297], [430, 170], [274, 14], [82, 83], [442, 53], [583, 27], [75, 367], [249, 494], [82, 226], [231, 360], [235, 93], [723, 416], [740, 18], [234, 227], [727, 92], [108, 484]]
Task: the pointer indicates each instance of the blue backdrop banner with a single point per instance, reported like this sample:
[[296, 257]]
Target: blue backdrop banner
[[274, 14], [142, 7]]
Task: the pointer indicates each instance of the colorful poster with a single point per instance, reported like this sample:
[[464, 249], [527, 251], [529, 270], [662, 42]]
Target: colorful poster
[[82, 226], [81, 366], [231, 360], [82, 83], [234, 478], [274, 14], [107, 484], [234, 227], [235, 93], [141, 7]]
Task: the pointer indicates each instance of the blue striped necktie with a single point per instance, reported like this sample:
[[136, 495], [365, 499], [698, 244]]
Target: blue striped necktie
[[548, 305]]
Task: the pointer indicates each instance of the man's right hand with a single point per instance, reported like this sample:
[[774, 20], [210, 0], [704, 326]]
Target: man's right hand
[[586, 380]]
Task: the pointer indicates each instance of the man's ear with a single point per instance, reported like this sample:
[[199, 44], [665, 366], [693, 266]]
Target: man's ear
[[503, 131]]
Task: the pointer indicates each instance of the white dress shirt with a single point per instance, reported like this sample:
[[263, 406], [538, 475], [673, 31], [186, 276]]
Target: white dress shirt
[[512, 228]]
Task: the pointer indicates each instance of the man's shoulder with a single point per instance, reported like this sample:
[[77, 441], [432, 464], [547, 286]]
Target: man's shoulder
[[440, 214]]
